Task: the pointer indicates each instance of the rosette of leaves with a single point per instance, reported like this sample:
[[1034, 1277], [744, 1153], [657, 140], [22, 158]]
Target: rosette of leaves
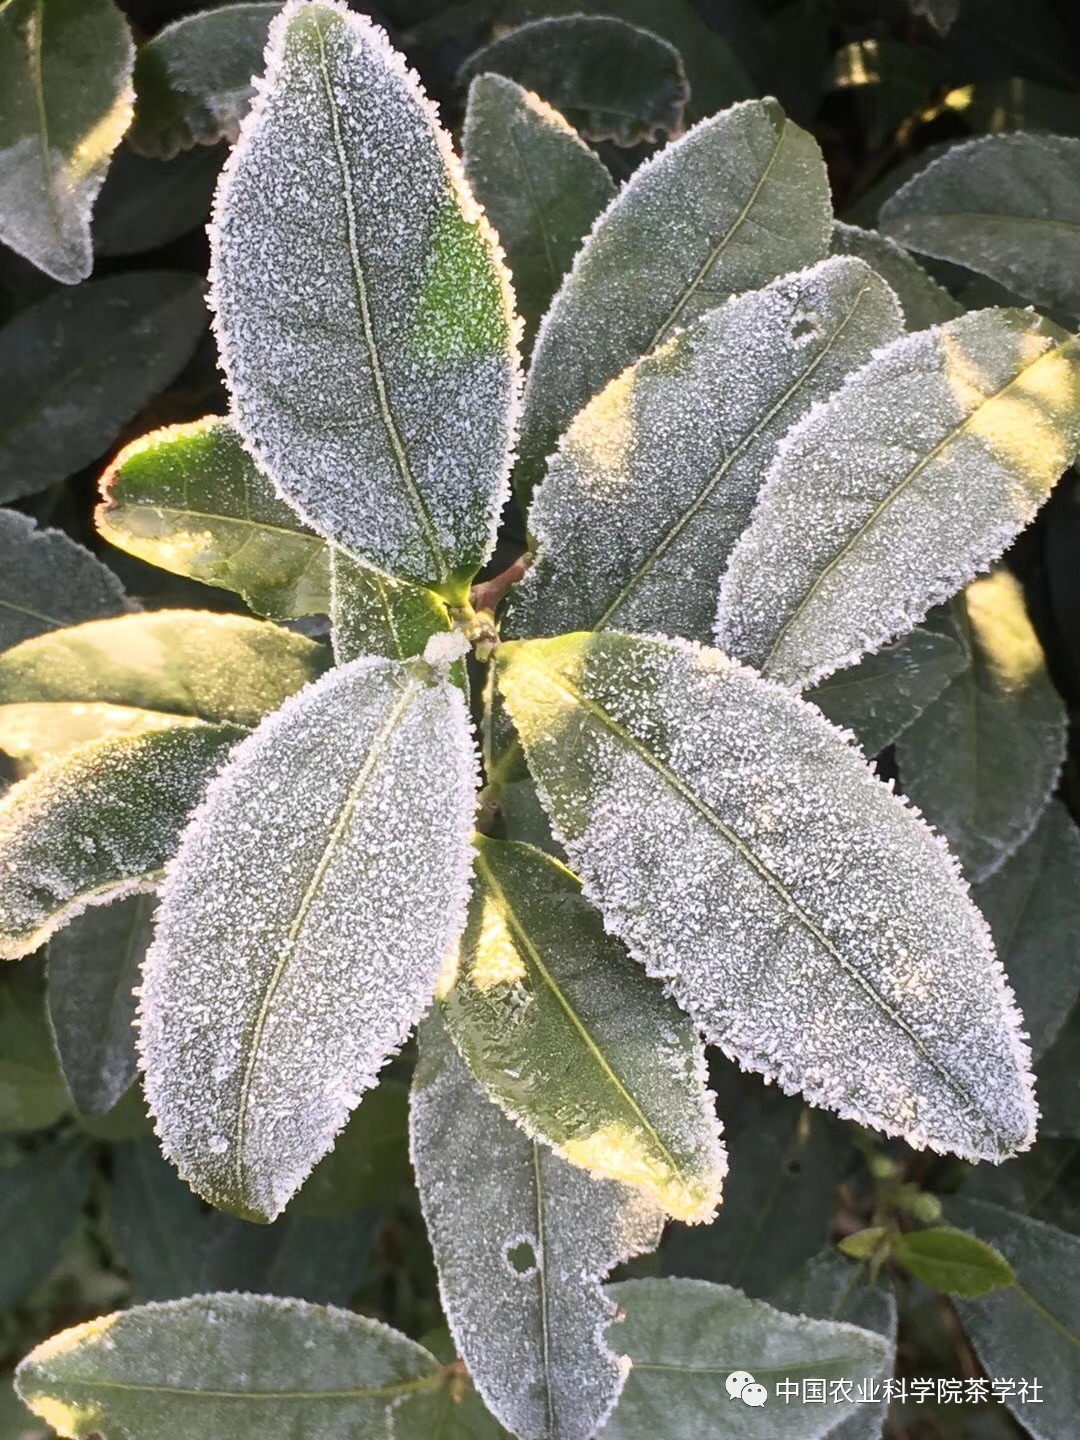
[[725, 435]]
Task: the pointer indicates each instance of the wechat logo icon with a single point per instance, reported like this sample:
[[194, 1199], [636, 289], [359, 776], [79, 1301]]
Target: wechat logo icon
[[741, 1385]]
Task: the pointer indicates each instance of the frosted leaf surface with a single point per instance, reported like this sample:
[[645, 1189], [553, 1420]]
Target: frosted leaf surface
[[94, 967], [891, 495], [657, 477], [685, 1337], [1007, 206], [377, 389], [539, 183], [982, 762], [97, 824], [371, 614], [65, 75], [47, 581], [923, 301], [738, 200], [251, 1367], [191, 500], [38, 731], [522, 1241], [303, 925], [812, 925], [573, 1039]]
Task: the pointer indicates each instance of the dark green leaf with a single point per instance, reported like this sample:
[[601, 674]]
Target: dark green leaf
[[1059, 1081], [47, 581], [374, 615], [147, 203], [41, 1198], [369, 1163], [923, 301], [32, 1090]]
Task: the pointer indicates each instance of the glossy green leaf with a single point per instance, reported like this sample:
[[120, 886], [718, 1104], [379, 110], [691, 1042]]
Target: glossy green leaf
[[96, 825], [950, 1261], [761, 208], [389, 426], [1007, 206], [686, 1337], [145, 204], [809, 921], [193, 80], [187, 663], [77, 366], [191, 500], [574, 1041], [923, 301], [983, 760], [522, 1241], [371, 614], [94, 967], [891, 495], [612, 80], [658, 475], [369, 1163], [41, 1198], [32, 1090], [47, 581], [245, 1366], [540, 185], [303, 925], [65, 75]]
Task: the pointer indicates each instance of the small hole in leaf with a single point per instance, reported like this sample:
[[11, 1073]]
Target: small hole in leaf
[[522, 1257], [804, 327], [794, 1167]]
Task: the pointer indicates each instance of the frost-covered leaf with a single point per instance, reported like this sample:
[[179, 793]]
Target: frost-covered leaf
[[32, 1090], [191, 499], [374, 615], [41, 1197], [65, 75], [251, 1367], [806, 918], [1032, 904], [885, 499], [923, 301], [76, 367], [145, 204], [574, 1040], [94, 967], [983, 760], [522, 1241], [1030, 1330], [657, 476], [1007, 206], [685, 1337], [612, 80], [540, 185], [191, 664], [193, 80], [97, 824], [47, 581], [35, 732], [880, 696], [378, 388], [654, 260], [303, 924]]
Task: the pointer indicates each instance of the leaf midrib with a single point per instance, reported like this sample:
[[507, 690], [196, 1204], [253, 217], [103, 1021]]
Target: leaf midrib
[[377, 1392]]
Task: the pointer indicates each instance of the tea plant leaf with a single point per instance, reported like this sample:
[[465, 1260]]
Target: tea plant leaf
[[41, 1197], [32, 1090], [950, 1261], [1032, 903], [193, 80], [388, 429], [245, 1366], [540, 185], [145, 204], [983, 760], [923, 301], [183, 663], [574, 1041], [685, 1337], [892, 494], [374, 615], [809, 922], [1032, 1328], [65, 75], [369, 1163], [77, 366], [761, 208], [96, 825], [303, 924], [94, 967], [191, 500], [612, 81], [47, 581], [657, 477], [521, 1240], [880, 696], [1007, 206], [36, 732]]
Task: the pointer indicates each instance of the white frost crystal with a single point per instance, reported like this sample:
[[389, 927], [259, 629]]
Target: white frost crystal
[[303, 925]]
